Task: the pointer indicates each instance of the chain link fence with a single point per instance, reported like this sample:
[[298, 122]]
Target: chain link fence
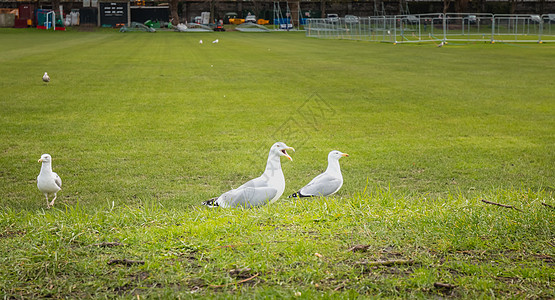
[[437, 28]]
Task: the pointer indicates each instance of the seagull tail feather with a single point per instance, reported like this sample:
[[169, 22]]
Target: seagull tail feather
[[298, 195], [211, 203]]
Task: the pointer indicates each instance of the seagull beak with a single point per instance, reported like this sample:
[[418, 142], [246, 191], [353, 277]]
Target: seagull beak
[[345, 155], [285, 152], [40, 160]]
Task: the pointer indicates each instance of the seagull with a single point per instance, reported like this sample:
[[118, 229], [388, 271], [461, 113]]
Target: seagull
[[48, 182], [45, 77], [259, 191], [327, 183], [200, 42], [215, 41], [441, 44]]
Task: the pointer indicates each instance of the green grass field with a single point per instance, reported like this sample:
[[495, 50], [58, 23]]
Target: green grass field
[[144, 127]]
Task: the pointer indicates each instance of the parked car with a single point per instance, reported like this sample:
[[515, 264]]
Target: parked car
[[350, 19], [332, 18], [471, 19]]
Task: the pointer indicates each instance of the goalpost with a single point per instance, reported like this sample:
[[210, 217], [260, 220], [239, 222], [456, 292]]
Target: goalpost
[[286, 22], [49, 18]]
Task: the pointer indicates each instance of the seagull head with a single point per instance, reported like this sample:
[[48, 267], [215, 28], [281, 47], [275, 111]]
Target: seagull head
[[280, 149], [45, 158], [337, 155]]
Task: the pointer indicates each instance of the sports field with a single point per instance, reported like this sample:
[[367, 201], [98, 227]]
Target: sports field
[[144, 127]]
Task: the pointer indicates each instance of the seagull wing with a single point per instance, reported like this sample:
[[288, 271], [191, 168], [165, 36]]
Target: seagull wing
[[258, 182], [57, 180], [247, 197], [322, 185]]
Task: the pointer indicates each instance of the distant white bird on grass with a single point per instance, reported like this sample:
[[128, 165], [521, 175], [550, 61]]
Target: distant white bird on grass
[[327, 183], [200, 42], [259, 191], [441, 44], [215, 41], [48, 182], [45, 77]]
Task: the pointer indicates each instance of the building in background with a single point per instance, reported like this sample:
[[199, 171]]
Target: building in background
[[100, 12]]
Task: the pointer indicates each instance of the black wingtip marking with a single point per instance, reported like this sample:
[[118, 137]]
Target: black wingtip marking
[[298, 195], [211, 203]]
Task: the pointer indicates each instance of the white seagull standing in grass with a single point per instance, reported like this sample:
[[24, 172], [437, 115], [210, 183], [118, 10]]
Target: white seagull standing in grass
[[259, 191], [327, 183], [200, 42], [45, 77], [215, 41], [48, 182]]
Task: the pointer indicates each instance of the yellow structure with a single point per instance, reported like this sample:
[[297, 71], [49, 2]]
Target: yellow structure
[[236, 21]]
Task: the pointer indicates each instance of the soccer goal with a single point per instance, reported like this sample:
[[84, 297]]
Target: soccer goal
[[46, 19]]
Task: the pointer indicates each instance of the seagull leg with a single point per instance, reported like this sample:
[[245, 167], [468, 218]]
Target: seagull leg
[[52, 203], [47, 202]]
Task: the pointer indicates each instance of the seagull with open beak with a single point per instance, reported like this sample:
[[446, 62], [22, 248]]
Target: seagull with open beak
[[259, 191]]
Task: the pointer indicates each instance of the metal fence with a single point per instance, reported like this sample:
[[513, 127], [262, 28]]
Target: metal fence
[[437, 28]]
